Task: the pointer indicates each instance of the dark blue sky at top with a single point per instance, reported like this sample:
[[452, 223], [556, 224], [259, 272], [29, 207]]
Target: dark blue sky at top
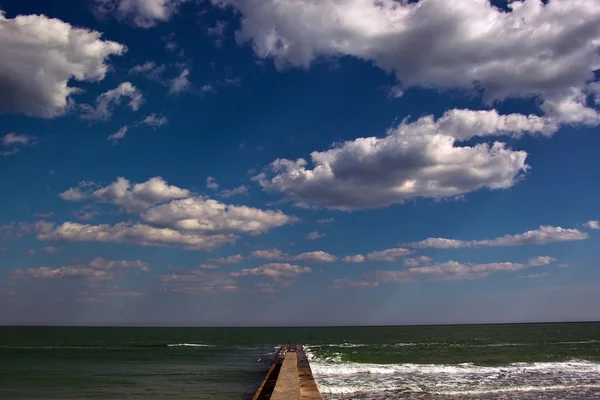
[[256, 115]]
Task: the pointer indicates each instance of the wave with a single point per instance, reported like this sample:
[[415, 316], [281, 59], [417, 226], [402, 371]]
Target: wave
[[188, 345], [467, 379]]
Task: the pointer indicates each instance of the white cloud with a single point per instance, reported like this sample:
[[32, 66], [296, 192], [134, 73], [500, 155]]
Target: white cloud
[[13, 141], [453, 270], [169, 216], [211, 183], [541, 260], [273, 254], [14, 230], [311, 256], [198, 282], [436, 43], [543, 235], [326, 221], [180, 83], [533, 276], [118, 135], [315, 235], [275, 271], [50, 250], [358, 258], [592, 224], [97, 269], [138, 234], [40, 55], [149, 69], [416, 261], [131, 197], [417, 159], [444, 271], [389, 254], [233, 259], [211, 217], [314, 256], [238, 191], [218, 31], [106, 102], [142, 13], [154, 121]]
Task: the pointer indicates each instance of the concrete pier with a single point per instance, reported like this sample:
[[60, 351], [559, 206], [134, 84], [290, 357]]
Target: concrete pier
[[289, 377]]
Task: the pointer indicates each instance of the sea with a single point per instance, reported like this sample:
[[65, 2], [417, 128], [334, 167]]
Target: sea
[[522, 361]]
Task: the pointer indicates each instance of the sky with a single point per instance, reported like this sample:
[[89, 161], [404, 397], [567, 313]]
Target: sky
[[299, 162]]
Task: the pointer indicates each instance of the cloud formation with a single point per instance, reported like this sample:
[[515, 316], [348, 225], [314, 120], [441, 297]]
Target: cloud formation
[[275, 271], [95, 270], [444, 271], [132, 198], [141, 13], [108, 101], [415, 159], [592, 224], [442, 45], [542, 235], [314, 235], [168, 216], [40, 56], [14, 142]]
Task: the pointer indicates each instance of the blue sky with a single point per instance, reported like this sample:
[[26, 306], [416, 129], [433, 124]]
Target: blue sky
[[180, 162]]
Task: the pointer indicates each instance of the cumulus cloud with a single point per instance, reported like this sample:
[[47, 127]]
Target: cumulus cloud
[[315, 256], [275, 271], [108, 101], [198, 281], [272, 254], [444, 271], [149, 69], [416, 261], [414, 159], [180, 83], [131, 197], [14, 142], [154, 120], [95, 270], [233, 259], [118, 135], [135, 233], [389, 254], [238, 191], [315, 235], [276, 254], [142, 13], [436, 43], [543, 235], [40, 56], [168, 216], [211, 183], [210, 216], [14, 230], [358, 258], [592, 224]]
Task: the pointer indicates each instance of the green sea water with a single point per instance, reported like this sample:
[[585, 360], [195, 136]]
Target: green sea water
[[525, 361]]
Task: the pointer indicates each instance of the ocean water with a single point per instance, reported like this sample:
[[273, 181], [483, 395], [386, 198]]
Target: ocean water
[[528, 361]]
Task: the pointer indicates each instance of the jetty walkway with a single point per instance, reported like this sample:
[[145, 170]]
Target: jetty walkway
[[289, 377]]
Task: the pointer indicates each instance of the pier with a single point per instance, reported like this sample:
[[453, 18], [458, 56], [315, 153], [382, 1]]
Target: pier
[[289, 377]]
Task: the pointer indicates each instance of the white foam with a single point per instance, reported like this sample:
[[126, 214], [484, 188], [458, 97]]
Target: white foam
[[347, 378], [188, 345]]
